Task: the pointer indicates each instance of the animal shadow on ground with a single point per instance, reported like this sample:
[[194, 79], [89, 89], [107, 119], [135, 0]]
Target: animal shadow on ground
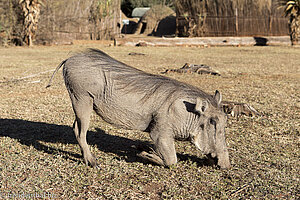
[[34, 134]]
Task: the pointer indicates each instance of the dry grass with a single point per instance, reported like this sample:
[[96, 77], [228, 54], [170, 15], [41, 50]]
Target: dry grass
[[39, 154]]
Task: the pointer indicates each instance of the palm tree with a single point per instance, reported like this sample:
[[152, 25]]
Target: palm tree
[[292, 9], [31, 12]]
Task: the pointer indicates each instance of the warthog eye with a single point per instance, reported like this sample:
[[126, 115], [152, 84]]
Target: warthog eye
[[202, 126], [212, 122]]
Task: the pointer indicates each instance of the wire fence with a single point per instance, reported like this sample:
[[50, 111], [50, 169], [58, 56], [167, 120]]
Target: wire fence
[[230, 18], [234, 26], [245, 26]]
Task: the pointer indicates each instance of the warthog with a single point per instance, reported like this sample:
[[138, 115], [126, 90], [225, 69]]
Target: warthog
[[130, 98]]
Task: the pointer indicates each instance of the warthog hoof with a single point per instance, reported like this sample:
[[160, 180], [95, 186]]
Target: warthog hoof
[[90, 160], [151, 157]]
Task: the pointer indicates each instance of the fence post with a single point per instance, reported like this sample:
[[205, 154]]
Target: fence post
[[236, 22], [270, 24]]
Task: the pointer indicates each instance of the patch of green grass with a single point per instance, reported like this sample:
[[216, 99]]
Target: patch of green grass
[[39, 153]]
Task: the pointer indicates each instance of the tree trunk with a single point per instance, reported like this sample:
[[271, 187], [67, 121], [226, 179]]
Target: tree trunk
[[294, 26], [31, 13]]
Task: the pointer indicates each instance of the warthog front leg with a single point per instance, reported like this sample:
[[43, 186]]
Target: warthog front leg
[[152, 157], [83, 109], [165, 153]]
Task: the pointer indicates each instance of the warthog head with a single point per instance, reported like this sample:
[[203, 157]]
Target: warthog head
[[211, 139]]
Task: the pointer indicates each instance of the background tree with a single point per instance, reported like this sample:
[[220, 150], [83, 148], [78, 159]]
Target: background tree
[[292, 9], [105, 15], [10, 22], [31, 13]]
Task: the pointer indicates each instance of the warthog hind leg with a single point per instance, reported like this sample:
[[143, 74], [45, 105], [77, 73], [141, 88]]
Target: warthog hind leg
[[83, 109]]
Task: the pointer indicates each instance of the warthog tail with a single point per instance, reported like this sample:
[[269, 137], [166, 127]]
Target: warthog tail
[[57, 68]]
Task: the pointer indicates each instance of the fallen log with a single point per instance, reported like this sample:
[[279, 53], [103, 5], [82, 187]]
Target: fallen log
[[192, 68], [236, 109], [136, 54]]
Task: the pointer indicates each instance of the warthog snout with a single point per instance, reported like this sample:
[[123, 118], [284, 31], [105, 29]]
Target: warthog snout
[[221, 160]]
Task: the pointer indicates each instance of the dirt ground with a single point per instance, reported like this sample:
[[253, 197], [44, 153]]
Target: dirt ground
[[39, 154]]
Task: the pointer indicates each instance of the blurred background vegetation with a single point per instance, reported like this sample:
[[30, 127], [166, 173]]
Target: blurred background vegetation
[[27, 22]]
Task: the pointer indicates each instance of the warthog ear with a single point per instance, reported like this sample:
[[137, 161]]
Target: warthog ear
[[201, 105], [218, 97]]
